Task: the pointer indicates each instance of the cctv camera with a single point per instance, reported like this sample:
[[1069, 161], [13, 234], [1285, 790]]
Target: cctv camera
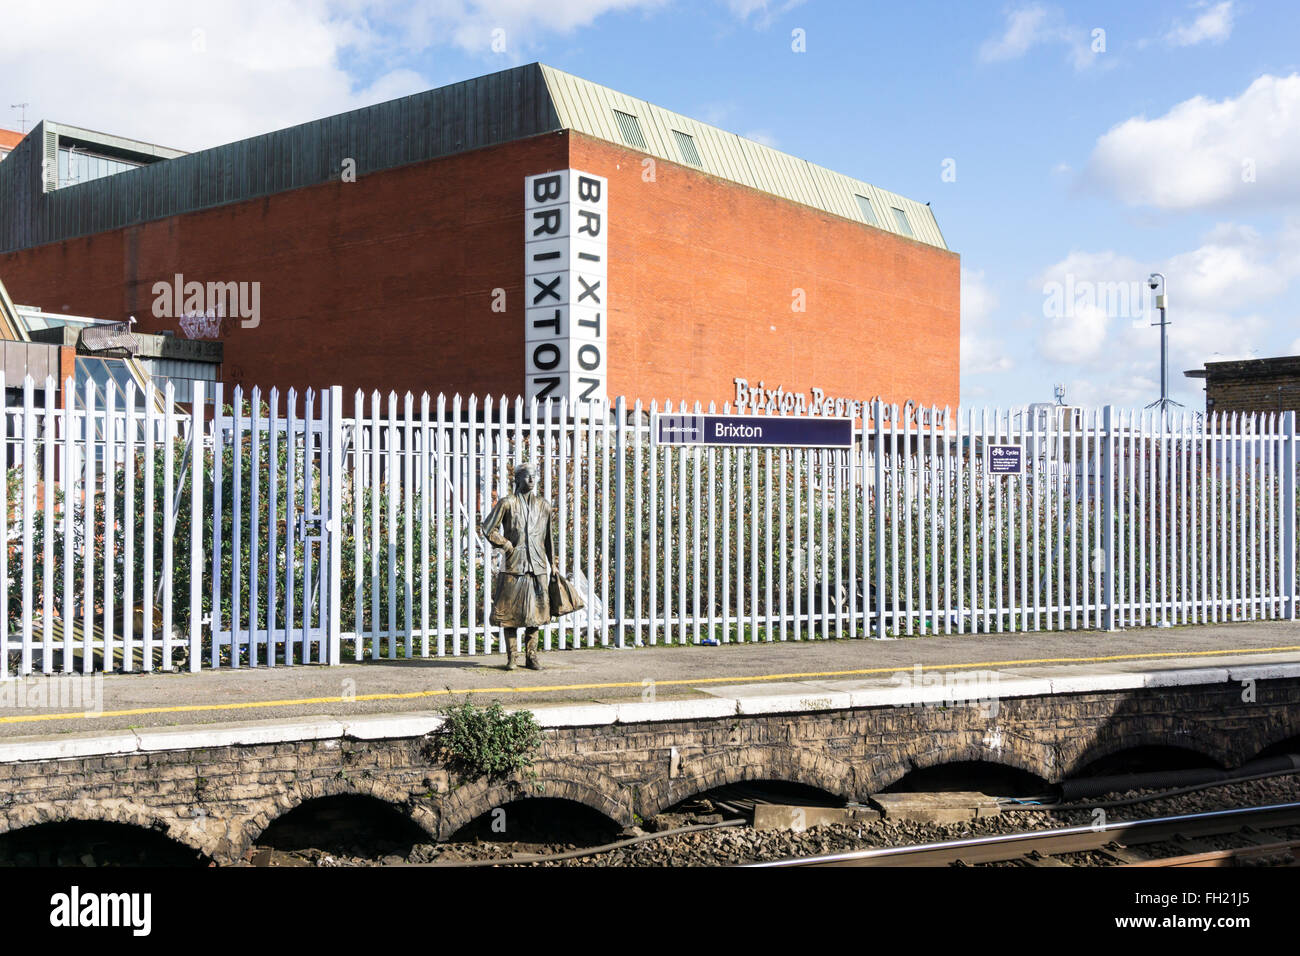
[[1153, 283]]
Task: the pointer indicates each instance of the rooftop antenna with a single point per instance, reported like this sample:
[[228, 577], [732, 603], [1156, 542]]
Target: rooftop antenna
[[1059, 392], [23, 115]]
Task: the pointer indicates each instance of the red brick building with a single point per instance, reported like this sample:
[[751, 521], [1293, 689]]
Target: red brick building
[[8, 140], [385, 249]]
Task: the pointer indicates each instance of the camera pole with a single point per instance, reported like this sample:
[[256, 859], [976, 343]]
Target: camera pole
[[1157, 281]]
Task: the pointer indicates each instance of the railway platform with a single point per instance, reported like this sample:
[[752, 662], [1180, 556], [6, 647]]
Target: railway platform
[[661, 682]]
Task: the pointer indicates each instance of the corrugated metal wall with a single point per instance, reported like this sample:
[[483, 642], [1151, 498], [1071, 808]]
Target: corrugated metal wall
[[20, 188], [481, 112], [485, 111]]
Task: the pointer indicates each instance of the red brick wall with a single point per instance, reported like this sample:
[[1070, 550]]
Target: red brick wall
[[701, 274], [383, 283], [386, 283], [67, 370]]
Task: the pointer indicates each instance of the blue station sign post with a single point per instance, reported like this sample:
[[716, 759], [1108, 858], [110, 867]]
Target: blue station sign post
[[769, 430]]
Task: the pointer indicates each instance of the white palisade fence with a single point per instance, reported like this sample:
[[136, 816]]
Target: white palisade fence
[[282, 531]]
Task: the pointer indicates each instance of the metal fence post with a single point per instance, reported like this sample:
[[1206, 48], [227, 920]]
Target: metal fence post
[[1108, 514], [878, 445], [196, 527], [4, 529], [620, 604], [1288, 514], [334, 523]]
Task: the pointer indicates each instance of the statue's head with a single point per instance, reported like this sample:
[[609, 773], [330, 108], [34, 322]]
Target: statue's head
[[524, 479]]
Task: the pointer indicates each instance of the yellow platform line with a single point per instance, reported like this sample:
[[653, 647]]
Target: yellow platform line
[[679, 682]]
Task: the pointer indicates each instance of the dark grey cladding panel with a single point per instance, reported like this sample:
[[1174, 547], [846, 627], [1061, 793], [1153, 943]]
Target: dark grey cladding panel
[[485, 111], [19, 186]]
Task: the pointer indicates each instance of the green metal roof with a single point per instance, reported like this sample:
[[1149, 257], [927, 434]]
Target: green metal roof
[[590, 108]]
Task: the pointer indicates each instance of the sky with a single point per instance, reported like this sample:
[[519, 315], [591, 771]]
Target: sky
[[1068, 149]]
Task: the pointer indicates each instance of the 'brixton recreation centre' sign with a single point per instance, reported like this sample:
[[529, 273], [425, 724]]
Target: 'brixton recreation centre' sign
[[754, 430]]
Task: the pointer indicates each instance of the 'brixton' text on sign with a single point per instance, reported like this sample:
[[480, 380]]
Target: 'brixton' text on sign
[[566, 285], [786, 432]]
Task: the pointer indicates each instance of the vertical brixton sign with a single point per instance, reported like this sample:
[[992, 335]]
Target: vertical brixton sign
[[565, 285]]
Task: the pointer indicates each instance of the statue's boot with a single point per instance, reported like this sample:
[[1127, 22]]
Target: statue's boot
[[531, 649], [510, 652]]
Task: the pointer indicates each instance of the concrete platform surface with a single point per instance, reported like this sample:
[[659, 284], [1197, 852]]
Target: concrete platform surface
[[663, 682]]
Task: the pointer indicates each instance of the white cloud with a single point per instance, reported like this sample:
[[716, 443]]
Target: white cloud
[[1235, 266], [1131, 392], [764, 11], [1205, 153], [1081, 295], [716, 113], [1214, 25], [1227, 300], [197, 75], [982, 351], [1075, 338], [1025, 27], [185, 78], [1124, 367], [469, 24], [1198, 336], [1037, 25]]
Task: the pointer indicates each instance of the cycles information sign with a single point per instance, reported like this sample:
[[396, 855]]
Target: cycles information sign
[[785, 431], [1006, 460]]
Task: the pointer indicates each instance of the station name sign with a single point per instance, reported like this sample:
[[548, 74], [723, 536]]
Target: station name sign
[[566, 285], [754, 430]]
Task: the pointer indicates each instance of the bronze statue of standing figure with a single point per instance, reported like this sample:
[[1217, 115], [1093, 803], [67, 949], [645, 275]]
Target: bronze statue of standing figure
[[520, 524]]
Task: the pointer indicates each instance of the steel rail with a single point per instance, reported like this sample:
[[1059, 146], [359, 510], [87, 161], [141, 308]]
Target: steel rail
[[1077, 839], [1223, 857]]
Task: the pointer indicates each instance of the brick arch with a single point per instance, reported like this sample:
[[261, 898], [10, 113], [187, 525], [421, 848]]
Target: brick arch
[[1279, 734], [787, 764], [980, 746], [185, 831], [272, 808], [1180, 737], [556, 780]]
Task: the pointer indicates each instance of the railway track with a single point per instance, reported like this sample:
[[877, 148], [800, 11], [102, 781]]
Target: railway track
[[1113, 844], [1286, 850]]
